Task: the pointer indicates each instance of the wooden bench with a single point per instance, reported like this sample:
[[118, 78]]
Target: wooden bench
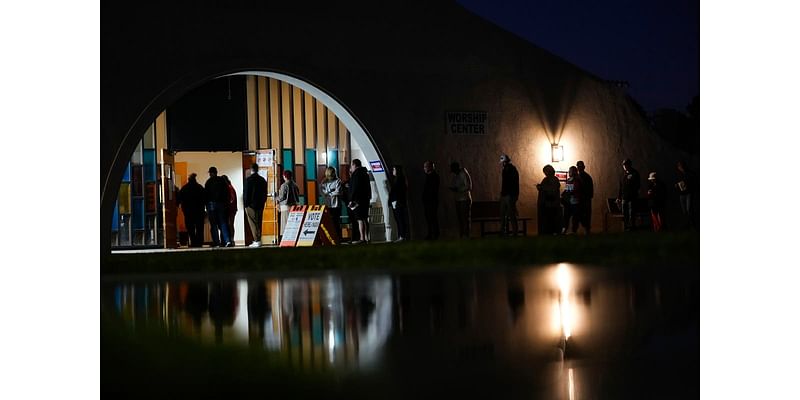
[[641, 211], [488, 213]]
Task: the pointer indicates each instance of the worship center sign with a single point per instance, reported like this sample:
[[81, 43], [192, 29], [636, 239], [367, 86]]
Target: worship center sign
[[467, 123]]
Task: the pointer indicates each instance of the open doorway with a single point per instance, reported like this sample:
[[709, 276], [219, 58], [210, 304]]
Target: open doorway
[[228, 164]]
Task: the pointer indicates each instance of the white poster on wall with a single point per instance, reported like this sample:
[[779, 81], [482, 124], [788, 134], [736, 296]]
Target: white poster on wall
[[264, 159]]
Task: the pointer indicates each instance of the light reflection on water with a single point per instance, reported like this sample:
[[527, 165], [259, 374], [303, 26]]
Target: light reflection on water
[[310, 319], [553, 322]]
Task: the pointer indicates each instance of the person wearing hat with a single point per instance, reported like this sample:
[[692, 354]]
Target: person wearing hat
[[509, 193], [629, 186], [656, 199], [217, 197]]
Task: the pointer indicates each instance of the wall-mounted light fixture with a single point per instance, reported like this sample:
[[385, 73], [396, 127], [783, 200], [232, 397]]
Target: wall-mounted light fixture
[[557, 153]]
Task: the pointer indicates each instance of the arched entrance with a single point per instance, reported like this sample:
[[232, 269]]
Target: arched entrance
[[356, 134]]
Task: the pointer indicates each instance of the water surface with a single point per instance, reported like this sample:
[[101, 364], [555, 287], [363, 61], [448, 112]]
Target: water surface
[[560, 331]]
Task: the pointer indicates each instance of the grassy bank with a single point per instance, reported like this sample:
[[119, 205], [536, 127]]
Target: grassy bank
[[621, 249]]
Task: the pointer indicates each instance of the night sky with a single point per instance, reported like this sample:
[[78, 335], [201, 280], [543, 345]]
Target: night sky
[[654, 45]]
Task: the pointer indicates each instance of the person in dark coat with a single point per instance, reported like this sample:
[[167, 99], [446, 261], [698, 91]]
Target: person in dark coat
[[629, 185], [587, 193], [191, 198], [398, 200], [548, 205], [686, 185], [430, 200], [509, 193], [656, 199], [233, 207], [217, 197], [255, 196], [360, 195], [571, 200]]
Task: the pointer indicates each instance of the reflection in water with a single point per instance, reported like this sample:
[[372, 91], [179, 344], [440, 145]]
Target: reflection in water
[[315, 322], [571, 385], [556, 326], [565, 309]]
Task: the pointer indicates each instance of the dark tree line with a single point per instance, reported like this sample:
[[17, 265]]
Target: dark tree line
[[682, 129]]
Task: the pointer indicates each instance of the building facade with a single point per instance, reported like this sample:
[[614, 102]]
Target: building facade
[[415, 82]]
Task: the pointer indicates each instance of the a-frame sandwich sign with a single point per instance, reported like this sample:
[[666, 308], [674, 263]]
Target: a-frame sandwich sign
[[317, 228], [293, 224]]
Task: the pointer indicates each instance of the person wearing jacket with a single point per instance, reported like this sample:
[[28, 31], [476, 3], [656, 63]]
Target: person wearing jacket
[[360, 196], [548, 206], [398, 199], [461, 186], [587, 193], [217, 198], [233, 207], [509, 193], [629, 185], [430, 199], [686, 186], [656, 199], [332, 189], [571, 199], [191, 198], [255, 196], [288, 195]]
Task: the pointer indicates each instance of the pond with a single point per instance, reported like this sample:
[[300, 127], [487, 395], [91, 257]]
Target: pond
[[561, 331]]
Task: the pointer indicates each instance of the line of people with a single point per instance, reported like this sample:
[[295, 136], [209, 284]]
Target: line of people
[[218, 200], [559, 212]]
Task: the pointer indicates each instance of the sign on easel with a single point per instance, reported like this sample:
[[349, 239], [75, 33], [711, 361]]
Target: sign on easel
[[293, 224], [317, 228]]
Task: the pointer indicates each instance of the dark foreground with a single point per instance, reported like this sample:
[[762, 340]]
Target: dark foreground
[[613, 249], [551, 331]]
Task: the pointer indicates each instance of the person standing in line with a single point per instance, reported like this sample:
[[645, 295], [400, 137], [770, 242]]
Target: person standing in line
[[233, 207], [332, 190], [191, 198], [509, 193], [255, 196], [656, 199], [685, 186], [360, 196], [430, 200], [629, 186], [461, 186], [570, 198], [398, 199], [548, 206], [288, 195], [217, 197], [587, 193]]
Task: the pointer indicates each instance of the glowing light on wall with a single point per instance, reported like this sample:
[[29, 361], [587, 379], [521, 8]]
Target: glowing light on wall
[[557, 153]]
